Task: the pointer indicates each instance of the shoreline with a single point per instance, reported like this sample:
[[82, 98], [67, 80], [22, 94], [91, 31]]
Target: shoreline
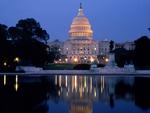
[[78, 72]]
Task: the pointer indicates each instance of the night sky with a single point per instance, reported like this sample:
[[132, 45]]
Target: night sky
[[118, 20]]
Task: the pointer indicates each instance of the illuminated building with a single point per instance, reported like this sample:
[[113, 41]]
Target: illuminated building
[[129, 45], [80, 47], [125, 45], [104, 47]]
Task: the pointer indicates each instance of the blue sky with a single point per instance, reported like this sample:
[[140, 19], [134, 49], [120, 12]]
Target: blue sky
[[118, 20]]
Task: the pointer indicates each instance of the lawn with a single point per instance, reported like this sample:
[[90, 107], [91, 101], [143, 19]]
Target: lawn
[[59, 67]]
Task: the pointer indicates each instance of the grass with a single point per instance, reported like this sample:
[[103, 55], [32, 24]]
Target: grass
[[59, 67]]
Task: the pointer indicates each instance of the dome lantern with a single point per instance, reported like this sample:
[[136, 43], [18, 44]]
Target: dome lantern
[[80, 27]]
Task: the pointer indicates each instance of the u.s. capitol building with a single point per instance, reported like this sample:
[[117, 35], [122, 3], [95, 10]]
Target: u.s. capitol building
[[81, 47]]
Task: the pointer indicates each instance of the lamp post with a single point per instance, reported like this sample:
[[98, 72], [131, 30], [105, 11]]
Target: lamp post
[[106, 59], [92, 59], [66, 60], [5, 63], [75, 60], [17, 59]]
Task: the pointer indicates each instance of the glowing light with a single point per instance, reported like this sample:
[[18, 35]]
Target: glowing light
[[95, 92], [75, 60], [17, 59], [66, 80], [16, 86], [59, 93], [60, 81], [67, 94], [102, 84], [4, 79], [55, 80], [5, 63], [16, 78], [80, 91], [85, 82], [106, 59], [92, 60], [66, 60], [75, 79], [95, 48], [90, 84], [16, 83], [72, 82]]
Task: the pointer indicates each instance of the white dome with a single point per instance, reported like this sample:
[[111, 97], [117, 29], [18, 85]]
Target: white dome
[[80, 27]]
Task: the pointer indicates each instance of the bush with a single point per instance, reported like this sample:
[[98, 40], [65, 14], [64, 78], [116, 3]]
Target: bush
[[82, 67], [100, 65]]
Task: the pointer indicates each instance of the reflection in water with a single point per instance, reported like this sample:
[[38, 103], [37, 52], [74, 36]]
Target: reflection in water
[[16, 85], [78, 91], [30, 98], [81, 93], [5, 80]]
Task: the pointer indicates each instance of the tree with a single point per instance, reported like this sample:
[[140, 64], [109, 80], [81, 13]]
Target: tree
[[32, 52], [30, 42], [15, 33], [120, 56], [3, 33], [31, 29], [54, 53], [26, 41], [142, 45], [111, 46], [6, 50]]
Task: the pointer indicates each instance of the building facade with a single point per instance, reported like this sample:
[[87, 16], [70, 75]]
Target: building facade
[[57, 45], [80, 47], [104, 48], [126, 45], [129, 45]]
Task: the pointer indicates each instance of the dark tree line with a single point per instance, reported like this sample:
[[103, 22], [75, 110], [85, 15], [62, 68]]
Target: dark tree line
[[123, 56], [140, 56], [26, 41], [111, 46]]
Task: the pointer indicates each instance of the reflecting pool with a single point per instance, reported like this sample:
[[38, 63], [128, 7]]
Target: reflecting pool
[[74, 94]]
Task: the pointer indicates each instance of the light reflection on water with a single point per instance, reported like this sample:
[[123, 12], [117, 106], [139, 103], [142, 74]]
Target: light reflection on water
[[16, 85], [79, 94], [82, 91], [5, 80]]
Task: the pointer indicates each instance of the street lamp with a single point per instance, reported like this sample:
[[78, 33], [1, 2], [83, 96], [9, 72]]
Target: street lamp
[[106, 59], [66, 60], [92, 60], [5, 63], [17, 59], [75, 60]]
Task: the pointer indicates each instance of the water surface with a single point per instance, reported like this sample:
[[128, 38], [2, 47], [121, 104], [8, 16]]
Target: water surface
[[74, 94]]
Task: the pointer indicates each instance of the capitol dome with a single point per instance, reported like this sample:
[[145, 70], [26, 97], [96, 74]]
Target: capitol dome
[[80, 27]]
